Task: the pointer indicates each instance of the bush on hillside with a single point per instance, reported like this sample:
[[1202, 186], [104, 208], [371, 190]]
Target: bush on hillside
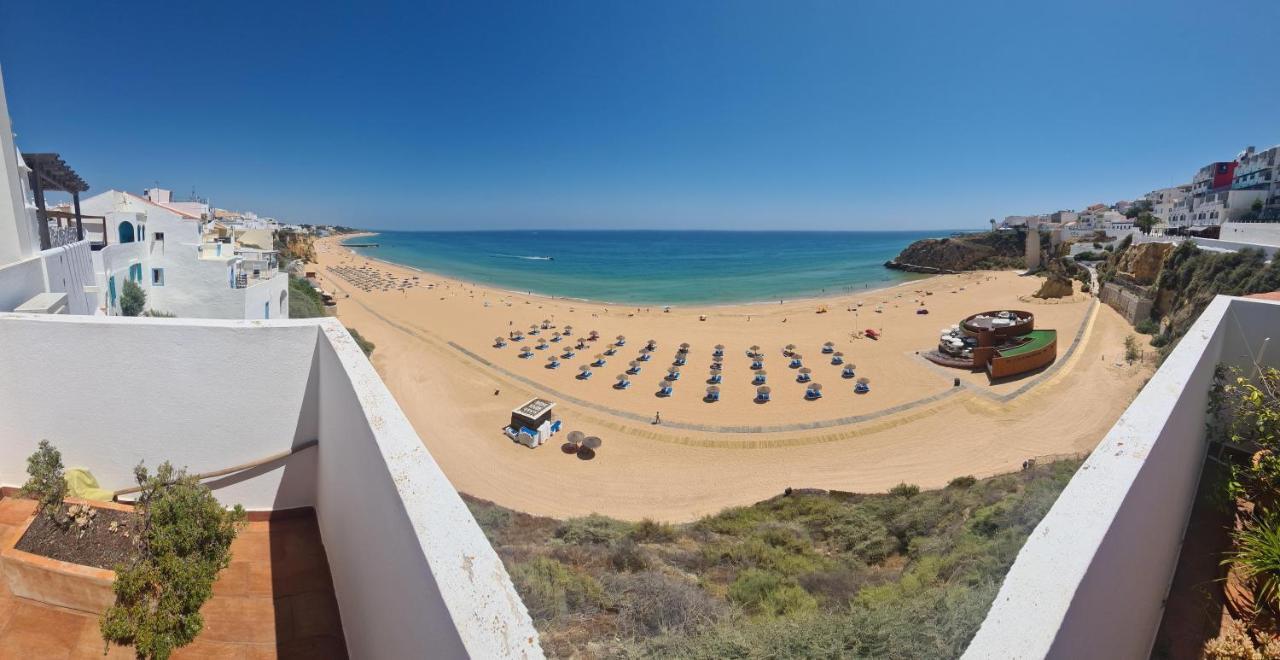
[[802, 575], [364, 344], [304, 300]]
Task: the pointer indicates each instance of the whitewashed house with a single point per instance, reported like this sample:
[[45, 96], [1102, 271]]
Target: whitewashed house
[[45, 268], [185, 268]]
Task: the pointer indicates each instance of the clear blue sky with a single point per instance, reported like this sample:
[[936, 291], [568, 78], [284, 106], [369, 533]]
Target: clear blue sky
[[822, 115]]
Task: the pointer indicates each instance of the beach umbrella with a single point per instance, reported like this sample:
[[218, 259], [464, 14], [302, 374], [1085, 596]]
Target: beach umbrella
[[499, 341], [790, 348], [838, 354], [634, 363], [684, 348], [622, 378], [651, 344], [621, 338], [568, 329], [673, 370], [713, 389], [763, 389], [586, 368], [524, 349], [830, 344], [806, 370], [575, 437], [719, 347], [754, 349], [594, 335], [592, 442], [864, 381], [600, 356]]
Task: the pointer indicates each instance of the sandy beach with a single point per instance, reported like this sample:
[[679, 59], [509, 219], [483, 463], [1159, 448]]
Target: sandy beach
[[435, 350]]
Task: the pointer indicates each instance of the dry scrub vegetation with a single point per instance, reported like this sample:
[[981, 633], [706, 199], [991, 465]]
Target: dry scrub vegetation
[[901, 575]]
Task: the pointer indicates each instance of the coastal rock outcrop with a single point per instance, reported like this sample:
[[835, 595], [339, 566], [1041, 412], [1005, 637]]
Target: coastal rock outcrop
[[1141, 263], [988, 250]]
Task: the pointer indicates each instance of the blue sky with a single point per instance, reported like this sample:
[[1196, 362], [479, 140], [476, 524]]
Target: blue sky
[[567, 114]]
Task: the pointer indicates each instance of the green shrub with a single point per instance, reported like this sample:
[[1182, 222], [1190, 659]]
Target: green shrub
[[594, 528], [763, 592], [1147, 327], [46, 481], [1131, 350], [905, 490], [304, 301], [651, 603], [155, 313], [966, 481], [364, 344], [626, 555], [551, 590], [132, 299], [186, 541], [648, 531], [1257, 555]]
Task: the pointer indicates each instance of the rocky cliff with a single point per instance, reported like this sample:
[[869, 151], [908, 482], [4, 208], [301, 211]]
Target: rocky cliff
[[988, 250], [1141, 263]]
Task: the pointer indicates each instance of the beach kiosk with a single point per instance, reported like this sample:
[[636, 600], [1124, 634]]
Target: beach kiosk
[[532, 424]]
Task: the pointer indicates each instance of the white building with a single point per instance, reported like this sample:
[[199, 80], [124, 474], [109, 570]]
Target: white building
[[47, 268], [1260, 170], [186, 266], [1162, 200], [1213, 208]]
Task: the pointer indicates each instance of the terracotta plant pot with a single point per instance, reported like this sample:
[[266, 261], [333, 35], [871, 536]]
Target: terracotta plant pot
[[56, 582]]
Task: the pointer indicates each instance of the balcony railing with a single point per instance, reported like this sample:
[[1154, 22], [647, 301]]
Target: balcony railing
[[1092, 579]]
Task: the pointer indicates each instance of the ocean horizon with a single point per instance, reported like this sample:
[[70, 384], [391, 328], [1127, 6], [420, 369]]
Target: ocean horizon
[[657, 267]]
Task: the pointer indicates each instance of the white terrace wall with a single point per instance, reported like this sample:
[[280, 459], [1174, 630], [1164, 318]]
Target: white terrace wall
[[414, 575], [1092, 578], [109, 392], [67, 269]]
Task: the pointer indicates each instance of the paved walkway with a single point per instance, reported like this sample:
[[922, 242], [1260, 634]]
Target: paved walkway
[[274, 600]]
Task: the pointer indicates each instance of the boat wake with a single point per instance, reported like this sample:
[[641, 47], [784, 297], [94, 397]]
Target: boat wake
[[529, 258]]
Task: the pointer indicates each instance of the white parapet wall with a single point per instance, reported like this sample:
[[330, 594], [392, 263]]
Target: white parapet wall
[[413, 574], [1092, 578]]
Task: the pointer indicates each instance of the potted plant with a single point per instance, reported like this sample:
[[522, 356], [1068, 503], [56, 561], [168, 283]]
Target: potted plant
[[145, 569]]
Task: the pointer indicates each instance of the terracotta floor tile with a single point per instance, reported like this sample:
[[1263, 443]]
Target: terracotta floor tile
[[90, 645], [313, 648], [202, 649], [314, 614], [233, 580], [7, 606], [251, 546], [249, 619], [37, 631], [275, 599]]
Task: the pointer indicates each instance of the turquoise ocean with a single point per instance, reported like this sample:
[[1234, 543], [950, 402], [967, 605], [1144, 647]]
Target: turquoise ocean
[[656, 267]]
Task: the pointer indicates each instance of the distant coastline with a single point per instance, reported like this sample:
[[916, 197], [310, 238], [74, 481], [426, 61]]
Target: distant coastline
[[655, 267]]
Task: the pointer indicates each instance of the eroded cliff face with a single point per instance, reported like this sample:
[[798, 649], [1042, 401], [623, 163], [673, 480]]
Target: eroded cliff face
[[990, 250], [1141, 263], [296, 246]]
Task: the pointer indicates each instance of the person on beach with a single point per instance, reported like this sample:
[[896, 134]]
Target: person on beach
[[657, 417]]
